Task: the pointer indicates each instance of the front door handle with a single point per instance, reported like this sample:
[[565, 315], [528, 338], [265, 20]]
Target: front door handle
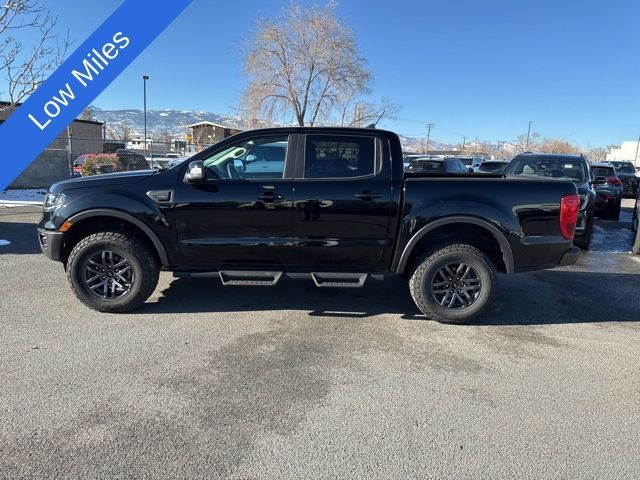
[[366, 195], [270, 197]]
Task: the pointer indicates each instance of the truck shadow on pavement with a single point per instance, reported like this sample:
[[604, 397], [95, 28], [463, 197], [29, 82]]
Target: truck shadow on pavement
[[541, 298], [23, 238]]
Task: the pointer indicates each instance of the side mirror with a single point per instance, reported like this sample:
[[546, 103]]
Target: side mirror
[[599, 180], [195, 172], [471, 170]]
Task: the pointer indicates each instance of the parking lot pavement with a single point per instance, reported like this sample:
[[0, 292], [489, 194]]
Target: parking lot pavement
[[299, 382]]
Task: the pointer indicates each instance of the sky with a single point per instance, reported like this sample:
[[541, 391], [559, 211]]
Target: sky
[[473, 68]]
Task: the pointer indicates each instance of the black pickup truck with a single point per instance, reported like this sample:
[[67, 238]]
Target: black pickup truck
[[330, 204]]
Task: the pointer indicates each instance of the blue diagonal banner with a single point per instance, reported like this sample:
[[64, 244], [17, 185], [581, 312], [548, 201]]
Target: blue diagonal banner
[[80, 79]]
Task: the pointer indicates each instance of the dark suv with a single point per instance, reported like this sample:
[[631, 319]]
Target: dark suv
[[438, 165], [627, 174], [574, 168], [608, 189]]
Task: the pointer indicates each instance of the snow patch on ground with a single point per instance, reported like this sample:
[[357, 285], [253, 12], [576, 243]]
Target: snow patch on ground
[[4, 242], [22, 197]]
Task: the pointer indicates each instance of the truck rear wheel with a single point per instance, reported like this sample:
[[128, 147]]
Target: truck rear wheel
[[452, 284], [112, 272]]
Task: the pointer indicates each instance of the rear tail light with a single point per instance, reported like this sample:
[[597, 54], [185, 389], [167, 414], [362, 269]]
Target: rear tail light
[[569, 208], [614, 181]]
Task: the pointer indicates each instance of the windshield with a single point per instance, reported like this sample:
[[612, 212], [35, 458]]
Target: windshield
[[624, 167], [559, 168]]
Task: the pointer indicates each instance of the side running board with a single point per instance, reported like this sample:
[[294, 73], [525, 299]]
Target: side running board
[[263, 279], [349, 280]]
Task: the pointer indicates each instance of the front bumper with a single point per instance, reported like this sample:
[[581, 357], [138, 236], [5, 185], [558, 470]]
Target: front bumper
[[569, 257], [50, 243]]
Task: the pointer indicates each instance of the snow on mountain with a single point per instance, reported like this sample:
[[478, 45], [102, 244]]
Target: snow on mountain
[[160, 121], [176, 122]]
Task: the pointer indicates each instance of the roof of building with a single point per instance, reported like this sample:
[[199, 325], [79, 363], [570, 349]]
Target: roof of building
[[212, 124]]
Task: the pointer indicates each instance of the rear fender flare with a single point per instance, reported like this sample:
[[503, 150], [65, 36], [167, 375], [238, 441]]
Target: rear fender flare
[[505, 247]]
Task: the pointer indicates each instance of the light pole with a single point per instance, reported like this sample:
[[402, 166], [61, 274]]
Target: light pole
[[529, 133], [144, 82]]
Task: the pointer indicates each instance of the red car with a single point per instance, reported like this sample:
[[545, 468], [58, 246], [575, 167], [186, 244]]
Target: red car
[[77, 164]]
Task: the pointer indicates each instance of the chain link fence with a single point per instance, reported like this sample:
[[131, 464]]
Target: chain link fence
[[56, 162]]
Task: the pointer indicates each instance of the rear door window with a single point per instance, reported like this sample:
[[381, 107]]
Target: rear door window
[[333, 156]]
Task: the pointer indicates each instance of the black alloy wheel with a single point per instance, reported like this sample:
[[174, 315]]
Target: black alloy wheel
[[456, 286], [108, 274]]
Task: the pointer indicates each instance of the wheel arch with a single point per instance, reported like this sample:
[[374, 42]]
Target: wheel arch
[[413, 245], [139, 227]]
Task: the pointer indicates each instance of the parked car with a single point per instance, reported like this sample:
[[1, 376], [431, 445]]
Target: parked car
[[608, 188], [340, 210], [408, 158], [636, 213], [574, 168], [77, 164], [627, 173], [492, 166], [437, 165], [130, 160], [175, 161], [472, 163]]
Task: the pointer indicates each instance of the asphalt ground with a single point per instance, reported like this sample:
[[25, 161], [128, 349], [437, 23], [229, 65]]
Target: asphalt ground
[[208, 381]]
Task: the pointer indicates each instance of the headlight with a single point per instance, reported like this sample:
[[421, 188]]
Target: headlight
[[53, 201]]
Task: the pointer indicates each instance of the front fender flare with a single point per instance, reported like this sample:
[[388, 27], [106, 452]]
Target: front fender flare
[[105, 212]]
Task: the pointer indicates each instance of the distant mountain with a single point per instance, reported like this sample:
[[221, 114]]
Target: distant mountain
[[161, 121], [176, 122]]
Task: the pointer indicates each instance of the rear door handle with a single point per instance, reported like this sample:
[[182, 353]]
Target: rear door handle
[[368, 195], [270, 197]]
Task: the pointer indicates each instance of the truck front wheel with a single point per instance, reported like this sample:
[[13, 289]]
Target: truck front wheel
[[452, 284], [112, 272]]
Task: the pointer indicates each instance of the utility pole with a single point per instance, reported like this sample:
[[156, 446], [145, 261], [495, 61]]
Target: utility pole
[[144, 81], [464, 143], [635, 160], [529, 133], [429, 127]]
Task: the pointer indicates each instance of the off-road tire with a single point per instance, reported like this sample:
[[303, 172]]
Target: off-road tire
[[427, 266], [142, 261]]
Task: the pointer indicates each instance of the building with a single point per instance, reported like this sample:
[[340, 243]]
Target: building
[[54, 163], [627, 151], [205, 133]]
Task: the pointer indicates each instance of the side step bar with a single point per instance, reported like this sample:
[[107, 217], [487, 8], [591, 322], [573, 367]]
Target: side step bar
[[263, 279], [270, 279], [349, 280]]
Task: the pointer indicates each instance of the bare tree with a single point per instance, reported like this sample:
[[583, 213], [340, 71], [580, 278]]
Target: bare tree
[[306, 65], [558, 145], [87, 114], [522, 145], [599, 154], [120, 132], [358, 112], [23, 68]]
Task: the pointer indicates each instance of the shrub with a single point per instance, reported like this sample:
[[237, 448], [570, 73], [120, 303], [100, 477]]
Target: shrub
[[92, 163]]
